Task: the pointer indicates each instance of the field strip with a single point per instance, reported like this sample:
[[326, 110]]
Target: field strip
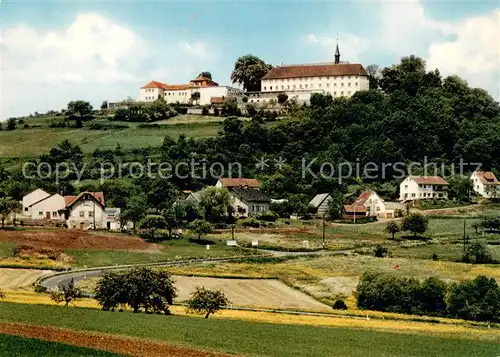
[[105, 342], [398, 326]]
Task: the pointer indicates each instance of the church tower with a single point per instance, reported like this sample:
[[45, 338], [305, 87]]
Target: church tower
[[337, 52]]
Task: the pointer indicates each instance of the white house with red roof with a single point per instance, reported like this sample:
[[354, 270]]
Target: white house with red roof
[[423, 187], [87, 210], [485, 184], [210, 92], [247, 197]]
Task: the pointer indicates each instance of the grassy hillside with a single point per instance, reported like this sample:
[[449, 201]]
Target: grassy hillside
[[14, 346], [249, 338]]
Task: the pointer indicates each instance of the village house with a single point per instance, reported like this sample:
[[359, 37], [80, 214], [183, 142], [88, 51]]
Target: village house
[[51, 207], [209, 92], [247, 197], [87, 210], [423, 187], [320, 204], [353, 212], [31, 198], [485, 184]]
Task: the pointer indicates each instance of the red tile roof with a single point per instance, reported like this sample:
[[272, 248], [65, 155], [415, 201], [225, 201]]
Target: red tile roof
[[70, 200], [177, 86], [316, 70], [237, 182], [353, 208], [155, 84], [429, 180], [487, 177], [362, 198]]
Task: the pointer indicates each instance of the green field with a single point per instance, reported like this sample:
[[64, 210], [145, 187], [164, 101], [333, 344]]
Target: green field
[[250, 338], [14, 346], [171, 250]]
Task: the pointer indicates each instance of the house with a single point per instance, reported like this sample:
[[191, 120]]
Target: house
[[113, 218], [485, 184], [194, 197], [320, 204], [372, 202], [208, 90], [248, 199], [49, 208], [423, 187], [339, 79], [87, 210], [31, 198]]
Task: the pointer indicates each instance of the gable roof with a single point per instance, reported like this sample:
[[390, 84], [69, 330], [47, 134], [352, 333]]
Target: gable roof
[[195, 195], [318, 200], [362, 198], [239, 182], [170, 87], [43, 199], [155, 84], [71, 200], [429, 180], [249, 194], [316, 70], [216, 100], [487, 177]]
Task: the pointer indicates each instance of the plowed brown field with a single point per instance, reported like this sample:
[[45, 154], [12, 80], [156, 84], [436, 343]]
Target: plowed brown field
[[75, 239], [105, 342]]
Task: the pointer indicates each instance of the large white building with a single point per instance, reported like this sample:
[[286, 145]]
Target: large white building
[[423, 187], [339, 79], [209, 92]]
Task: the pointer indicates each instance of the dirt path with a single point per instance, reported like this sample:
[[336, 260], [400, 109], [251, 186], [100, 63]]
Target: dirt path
[[110, 343]]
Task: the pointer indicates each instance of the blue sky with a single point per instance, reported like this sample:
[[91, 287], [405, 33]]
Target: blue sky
[[58, 51]]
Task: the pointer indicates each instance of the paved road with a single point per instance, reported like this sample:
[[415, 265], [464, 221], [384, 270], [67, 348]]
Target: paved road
[[64, 278]]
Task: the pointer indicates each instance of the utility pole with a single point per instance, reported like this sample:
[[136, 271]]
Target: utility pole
[[93, 214], [323, 244], [465, 241]]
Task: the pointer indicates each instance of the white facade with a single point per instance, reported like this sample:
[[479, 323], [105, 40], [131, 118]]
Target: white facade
[[301, 96], [375, 205], [83, 213], [31, 198], [206, 94], [485, 184], [418, 188], [337, 86], [50, 208], [150, 94]]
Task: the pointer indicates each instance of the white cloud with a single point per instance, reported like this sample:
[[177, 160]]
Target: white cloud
[[93, 59], [469, 48]]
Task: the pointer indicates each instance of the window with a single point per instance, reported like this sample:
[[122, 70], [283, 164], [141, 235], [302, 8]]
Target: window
[[335, 93], [91, 214], [328, 85], [25, 209], [319, 85], [301, 86], [378, 208], [282, 87], [54, 214], [265, 88], [342, 84], [40, 213], [335, 85], [342, 93], [356, 84], [253, 209], [412, 195], [406, 187], [306, 85], [288, 86], [271, 88], [349, 84], [294, 86]]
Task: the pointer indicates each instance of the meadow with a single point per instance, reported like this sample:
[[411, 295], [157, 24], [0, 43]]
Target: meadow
[[22, 347], [256, 338]]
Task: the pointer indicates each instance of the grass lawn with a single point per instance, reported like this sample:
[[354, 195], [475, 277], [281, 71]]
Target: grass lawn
[[6, 249], [250, 338], [14, 346], [171, 250]]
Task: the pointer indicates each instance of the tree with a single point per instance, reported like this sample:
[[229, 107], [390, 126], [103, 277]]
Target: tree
[[230, 107], [206, 302], [152, 290], [373, 71], [200, 227], [8, 205], [79, 108], [11, 124], [135, 211], [205, 74], [460, 188], [175, 217], [335, 205], [477, 253], [416, 223], [215, 203], [248, 71], [104, 105], [477, 300], [380, 251], [66, 293], [282, 98], [195, 97], [392, 228], [152, 223]]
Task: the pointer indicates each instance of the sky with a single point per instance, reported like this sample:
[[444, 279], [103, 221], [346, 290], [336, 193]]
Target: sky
[[53, 52]]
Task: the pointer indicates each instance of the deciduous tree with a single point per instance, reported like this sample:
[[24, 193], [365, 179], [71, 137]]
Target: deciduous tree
[[206, 302], [248, 71]]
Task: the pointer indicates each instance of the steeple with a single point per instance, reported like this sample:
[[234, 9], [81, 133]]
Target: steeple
[[337, 52]]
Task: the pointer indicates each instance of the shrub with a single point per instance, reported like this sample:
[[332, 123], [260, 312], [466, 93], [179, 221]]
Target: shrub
[[206, 302], [268, 217], [339, 305], [380, 251], [251, 223], [477, 253], [205, 111], [66, 293]]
